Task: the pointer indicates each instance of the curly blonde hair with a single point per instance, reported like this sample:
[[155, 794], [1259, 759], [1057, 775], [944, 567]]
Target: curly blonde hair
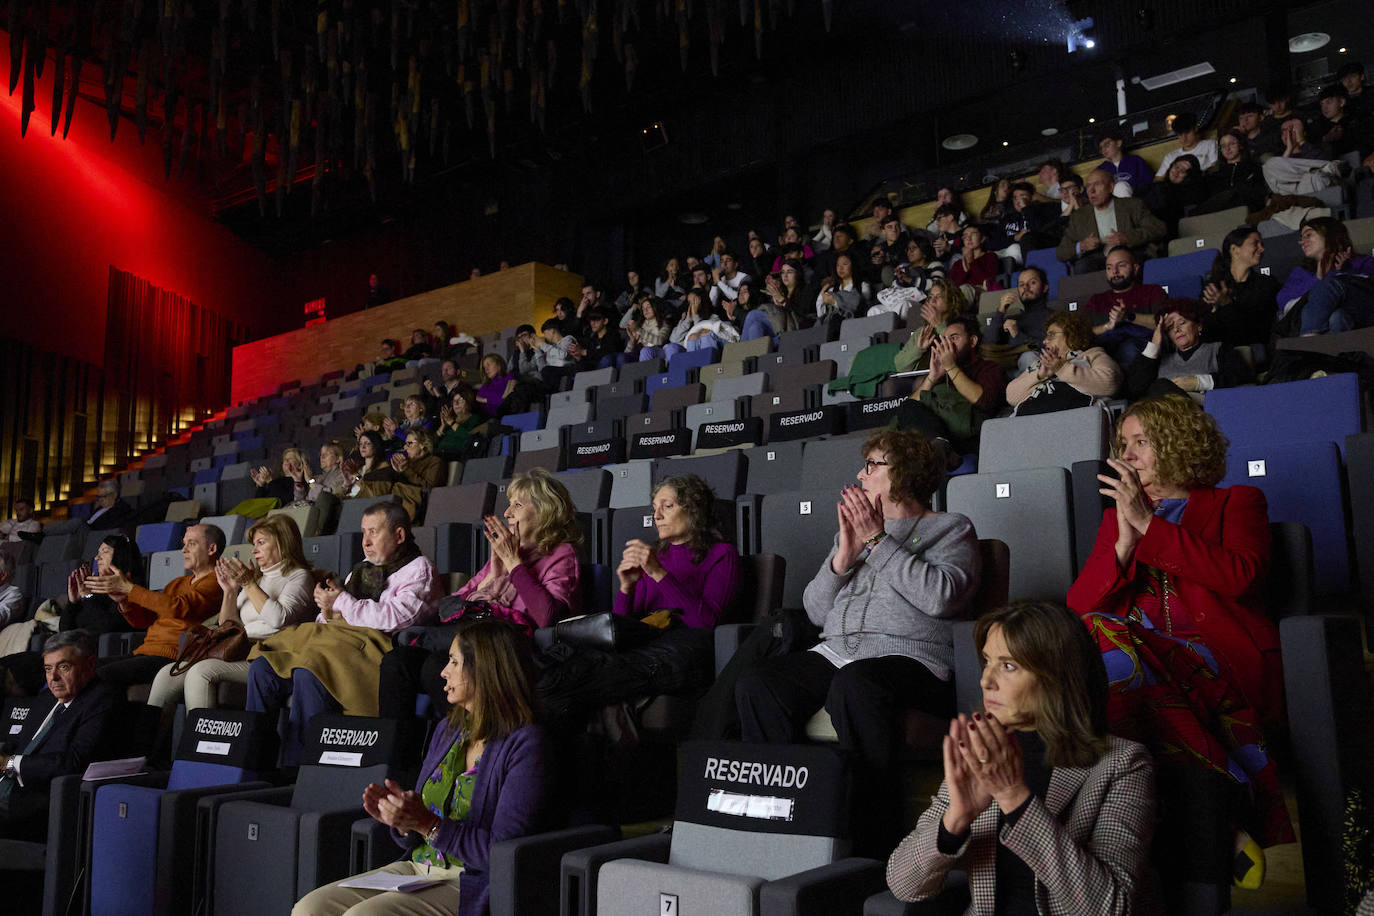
[[1190, 450], [556, 517]]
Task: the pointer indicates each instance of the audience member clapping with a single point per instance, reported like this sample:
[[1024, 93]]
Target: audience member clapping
[[943, 303], [1124, 315], [1173, 593], [1240, 298], [669, 283], [1331, 291], [82, 610], [884, 598], [487, 776], [274, 593], [331, 665], [1040, 805], [683, 583], [417, 464], [531, 580], [1069, 371], [458, 420], [292, 484]]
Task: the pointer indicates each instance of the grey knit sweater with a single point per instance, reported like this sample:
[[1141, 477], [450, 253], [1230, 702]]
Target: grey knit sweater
[[902, 599]]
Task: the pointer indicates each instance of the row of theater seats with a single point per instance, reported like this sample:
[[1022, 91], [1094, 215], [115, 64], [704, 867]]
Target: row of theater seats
[[212, 837]]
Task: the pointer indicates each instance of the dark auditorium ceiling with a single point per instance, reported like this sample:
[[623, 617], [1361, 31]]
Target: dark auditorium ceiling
[[299, 116]]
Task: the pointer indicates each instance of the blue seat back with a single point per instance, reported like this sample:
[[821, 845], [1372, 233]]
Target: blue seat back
[[159, 536], [1182, 274], [1302, 483], [1315, 410]]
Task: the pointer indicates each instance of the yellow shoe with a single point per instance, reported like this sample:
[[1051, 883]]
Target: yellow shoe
[[1248, 867]]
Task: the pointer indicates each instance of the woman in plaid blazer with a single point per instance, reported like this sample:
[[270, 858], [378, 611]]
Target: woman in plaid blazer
[[1044, 810]]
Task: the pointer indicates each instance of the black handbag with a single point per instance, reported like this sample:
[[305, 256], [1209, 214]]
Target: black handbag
[[605, 631]]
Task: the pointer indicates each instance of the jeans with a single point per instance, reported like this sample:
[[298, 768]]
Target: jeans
[[269, 692], [756, 325], [1336, 304]]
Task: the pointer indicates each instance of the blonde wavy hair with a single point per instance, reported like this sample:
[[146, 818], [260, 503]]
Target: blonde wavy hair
[[1190, 450], [284, 533], [555, 517]]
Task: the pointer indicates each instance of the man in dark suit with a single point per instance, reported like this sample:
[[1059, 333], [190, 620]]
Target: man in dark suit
[[72, 719]]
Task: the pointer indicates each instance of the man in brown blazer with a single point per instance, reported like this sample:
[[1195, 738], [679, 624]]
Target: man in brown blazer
[[1108, 222]]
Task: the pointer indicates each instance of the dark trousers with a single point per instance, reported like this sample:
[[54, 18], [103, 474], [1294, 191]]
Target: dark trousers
[[130, 669], [406, 672], [865, 700], [268, 692]]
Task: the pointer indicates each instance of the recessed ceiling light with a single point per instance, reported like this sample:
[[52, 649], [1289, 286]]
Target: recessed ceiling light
[[1233, 79], [1049, 131], [959, 141], [1308, 41], [1092, 120], [693, 219], [1005, 143], [1342, 51]]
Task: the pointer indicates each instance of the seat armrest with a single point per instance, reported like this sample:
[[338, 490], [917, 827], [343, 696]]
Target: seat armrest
[[839, 887], [729, 637], [324, 847], [952, 901], [578, 871], [523, 869], [371, 845]]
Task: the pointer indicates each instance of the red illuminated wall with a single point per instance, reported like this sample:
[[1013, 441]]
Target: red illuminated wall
[[74, 207]]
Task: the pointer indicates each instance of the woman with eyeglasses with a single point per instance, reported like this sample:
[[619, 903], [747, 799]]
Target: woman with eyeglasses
[[884, 599], [1070, 372]]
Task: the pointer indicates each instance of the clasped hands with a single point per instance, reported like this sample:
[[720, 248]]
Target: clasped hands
[[982, 766], [399, 808], [861, 519], [232, 574], [504, 542], [1133, 508], [638, 560]]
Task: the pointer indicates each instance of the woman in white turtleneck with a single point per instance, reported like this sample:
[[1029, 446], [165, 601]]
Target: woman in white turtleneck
[[278, 593]]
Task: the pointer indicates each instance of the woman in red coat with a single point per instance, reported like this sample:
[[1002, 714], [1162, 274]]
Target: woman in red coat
[[1173, 591]]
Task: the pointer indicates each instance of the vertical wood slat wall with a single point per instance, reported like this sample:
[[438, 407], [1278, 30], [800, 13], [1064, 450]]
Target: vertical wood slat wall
[[64, 421]]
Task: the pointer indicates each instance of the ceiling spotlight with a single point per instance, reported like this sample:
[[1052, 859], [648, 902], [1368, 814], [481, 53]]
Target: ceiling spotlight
[[1005, 143], [1308, 41], [1092, 120], [959, 141], [1342, 51], [1049, 131], [1233, 79], [1078, 37]]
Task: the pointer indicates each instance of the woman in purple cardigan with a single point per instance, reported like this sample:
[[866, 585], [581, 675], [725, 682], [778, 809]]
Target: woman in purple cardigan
[[486, 778], [684, 582]]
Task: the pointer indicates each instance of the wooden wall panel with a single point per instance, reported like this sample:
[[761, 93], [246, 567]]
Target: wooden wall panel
[[523, 294]]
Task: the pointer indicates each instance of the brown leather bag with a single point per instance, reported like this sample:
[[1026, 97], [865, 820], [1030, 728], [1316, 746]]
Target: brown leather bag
[[227, 642]]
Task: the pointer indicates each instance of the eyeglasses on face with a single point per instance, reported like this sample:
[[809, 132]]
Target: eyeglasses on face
[[870, 464]]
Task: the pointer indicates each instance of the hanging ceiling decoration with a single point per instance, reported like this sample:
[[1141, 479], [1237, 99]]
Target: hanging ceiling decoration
[[334, 90]]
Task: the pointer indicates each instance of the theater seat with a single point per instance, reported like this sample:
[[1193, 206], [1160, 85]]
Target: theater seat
[[143, 844], [723, 859], [267, 848]]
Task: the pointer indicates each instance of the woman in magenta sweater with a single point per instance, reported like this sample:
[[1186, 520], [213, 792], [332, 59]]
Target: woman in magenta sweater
[[684, 582]]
